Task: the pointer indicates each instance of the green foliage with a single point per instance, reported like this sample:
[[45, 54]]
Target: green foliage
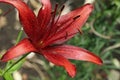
[[8, 76], [11, 67], [16, 66]]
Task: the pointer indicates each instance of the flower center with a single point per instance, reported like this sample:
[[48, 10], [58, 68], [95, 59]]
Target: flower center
[[41, 44], [52, 28]]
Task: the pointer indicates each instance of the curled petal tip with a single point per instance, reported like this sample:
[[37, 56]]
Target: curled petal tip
[[73, 73], [100, 62], [90, 5], [61, 61]]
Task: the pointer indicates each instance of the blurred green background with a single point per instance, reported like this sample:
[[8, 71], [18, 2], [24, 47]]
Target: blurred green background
[[101, 35]]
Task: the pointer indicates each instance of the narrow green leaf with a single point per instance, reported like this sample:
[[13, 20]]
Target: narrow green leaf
[[19, 36], [9, 63], [16, 66], [8, 76]]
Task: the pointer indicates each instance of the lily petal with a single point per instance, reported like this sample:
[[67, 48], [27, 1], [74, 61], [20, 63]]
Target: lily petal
[[69, 24], [27, 17], [61, 61], [23, 47], [44, 14], [72, 52], [43, 17]]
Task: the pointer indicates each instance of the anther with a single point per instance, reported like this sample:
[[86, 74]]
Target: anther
[[41, 44], [80, 31], [76, 17], [56, 6], [54, 12], [62, 8], [66, 35]]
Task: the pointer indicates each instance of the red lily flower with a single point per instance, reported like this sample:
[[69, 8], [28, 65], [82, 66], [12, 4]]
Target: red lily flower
[[45, 30]]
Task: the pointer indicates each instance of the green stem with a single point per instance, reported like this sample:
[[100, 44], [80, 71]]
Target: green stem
[[6, 73], [14, 64], [19, 36], [17, 40]]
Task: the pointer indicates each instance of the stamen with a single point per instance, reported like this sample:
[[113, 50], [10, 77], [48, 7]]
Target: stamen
[[54, 13], [59, 38], [41, 44], [80, 31], [55, 26], [60, 13], [62, 8], [49, 29], [66, 35], [62, 28], [76, 17]]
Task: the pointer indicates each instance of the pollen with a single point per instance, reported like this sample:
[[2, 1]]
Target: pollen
[[41, 43], [80, 31]]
